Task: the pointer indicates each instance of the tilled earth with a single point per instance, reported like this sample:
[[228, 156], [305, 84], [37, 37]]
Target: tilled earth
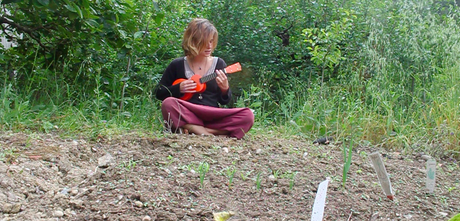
[[186, 177]]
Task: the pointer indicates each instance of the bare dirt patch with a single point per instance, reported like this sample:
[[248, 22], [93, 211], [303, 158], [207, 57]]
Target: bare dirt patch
[[133, 177]]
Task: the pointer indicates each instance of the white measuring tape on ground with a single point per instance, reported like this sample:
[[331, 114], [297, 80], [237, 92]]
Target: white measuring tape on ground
[[430, 175], [320, 201], [382, 174]]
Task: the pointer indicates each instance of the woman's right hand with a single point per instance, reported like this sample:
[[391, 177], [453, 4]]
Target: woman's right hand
[[187, 86]]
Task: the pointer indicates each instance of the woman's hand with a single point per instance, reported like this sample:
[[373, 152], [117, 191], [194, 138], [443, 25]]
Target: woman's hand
[[222, 81], [187, 86]]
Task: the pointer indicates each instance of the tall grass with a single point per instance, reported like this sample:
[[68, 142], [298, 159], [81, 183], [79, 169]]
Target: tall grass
[[403, 94], [68, 110]]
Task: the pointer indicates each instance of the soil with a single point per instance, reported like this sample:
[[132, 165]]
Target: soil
[[139, 177]]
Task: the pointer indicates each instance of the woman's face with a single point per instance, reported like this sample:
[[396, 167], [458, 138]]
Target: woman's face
[[207, 51]]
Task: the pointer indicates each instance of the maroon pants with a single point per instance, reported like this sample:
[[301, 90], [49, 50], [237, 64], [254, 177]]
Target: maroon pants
[[177, 113]]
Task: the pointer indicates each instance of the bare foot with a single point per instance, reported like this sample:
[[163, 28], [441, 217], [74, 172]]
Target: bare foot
[[200, 130]]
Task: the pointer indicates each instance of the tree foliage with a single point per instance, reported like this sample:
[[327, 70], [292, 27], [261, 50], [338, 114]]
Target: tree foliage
[[121, 47]]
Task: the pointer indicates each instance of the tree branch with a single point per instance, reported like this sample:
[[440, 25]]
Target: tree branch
[[23, 30]]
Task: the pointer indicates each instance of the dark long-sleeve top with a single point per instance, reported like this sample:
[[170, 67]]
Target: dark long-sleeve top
[[212, 96]]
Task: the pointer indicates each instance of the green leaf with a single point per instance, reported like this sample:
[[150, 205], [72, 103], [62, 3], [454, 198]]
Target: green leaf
[[4, 2], [138, 34], [70, 8], [155, 5], [122, 34], [91, 22], [159, 18], [85, 4], [256, 104], [126, 114], [43, 2], [78, 10], [455, 218]]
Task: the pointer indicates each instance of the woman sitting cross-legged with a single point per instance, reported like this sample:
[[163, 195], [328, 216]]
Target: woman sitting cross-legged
[[201, 114]]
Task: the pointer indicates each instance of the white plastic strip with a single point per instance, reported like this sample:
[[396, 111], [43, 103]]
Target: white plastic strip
[[430, 175], [384, 180], [320, 201]]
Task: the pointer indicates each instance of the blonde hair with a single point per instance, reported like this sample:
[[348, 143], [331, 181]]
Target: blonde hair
[[197, 35]]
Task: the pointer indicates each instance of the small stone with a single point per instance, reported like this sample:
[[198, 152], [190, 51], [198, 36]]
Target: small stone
[[68, 212], [59, 196], [408, 216], [3, 167], [225, 149], [143, 199], [105, 161], [138, 204], [76, 203], [146, 218], [271, 177], [73, 192], [259, 151], [305, 155], [65, 191], [284, 191], [11, 208], [58, 213], [443, 214]]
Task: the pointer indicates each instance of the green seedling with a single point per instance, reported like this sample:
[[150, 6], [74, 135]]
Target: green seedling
[[292, 180], [170, 160], [347, 161], [230, 175], [244, 177], [215, 147], [128, 165], [276, 173], [258, 181], [203, 168]]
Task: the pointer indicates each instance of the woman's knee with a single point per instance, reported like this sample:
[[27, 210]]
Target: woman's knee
[[168, 103], [248, 115]]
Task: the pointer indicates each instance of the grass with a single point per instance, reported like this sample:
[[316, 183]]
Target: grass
[[400, 91]]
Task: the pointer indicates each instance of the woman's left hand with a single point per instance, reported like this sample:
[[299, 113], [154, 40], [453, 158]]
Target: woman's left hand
[[222, 81]]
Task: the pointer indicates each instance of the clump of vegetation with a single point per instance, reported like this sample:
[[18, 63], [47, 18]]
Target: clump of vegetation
[[389, 68]]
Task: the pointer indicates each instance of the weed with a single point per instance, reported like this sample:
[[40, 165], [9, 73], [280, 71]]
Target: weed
[[244, 176], [347, 161], [292, 180], [258, 181], [230, 175], [216, 147], [170, 160], [203, 168], [8, 156], [128, 165], [276, 173]]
